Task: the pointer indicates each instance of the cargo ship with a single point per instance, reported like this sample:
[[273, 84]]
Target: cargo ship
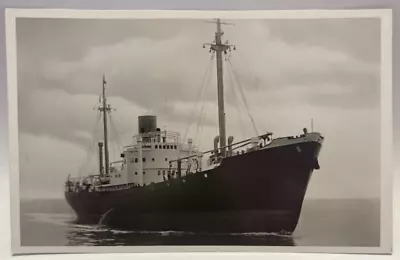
[[164, 183]]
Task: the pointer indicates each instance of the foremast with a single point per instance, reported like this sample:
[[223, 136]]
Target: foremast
[[104, 109], [220, 48]]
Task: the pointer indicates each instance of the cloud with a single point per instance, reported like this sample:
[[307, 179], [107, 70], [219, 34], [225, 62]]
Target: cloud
[[142, 69], [74, 118], [148, 73], [336, 34], [309, 69], [44, 170], [269, 63]]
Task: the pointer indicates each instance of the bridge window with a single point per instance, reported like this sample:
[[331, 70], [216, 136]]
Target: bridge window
[[136, 160], [135, 173], [176, 147], [163, 147]]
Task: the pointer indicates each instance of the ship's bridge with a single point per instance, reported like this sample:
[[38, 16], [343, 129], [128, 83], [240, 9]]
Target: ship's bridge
[[165, 139], [147, 160]]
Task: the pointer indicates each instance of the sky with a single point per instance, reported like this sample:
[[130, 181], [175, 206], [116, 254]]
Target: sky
[[289, 71]]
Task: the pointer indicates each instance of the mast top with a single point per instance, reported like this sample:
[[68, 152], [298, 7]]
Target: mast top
[[104, 83], [218, 46]]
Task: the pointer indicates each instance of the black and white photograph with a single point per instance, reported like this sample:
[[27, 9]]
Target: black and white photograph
[[200, 129]]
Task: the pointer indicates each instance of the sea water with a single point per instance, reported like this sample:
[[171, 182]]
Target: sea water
[[342, 222]]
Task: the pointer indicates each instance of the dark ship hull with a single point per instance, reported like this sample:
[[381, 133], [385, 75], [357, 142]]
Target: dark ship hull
[[259, 191]]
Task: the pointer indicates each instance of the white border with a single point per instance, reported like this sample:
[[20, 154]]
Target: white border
[[386, 120]]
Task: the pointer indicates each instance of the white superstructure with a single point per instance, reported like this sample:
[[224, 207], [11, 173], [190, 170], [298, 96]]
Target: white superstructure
[[148, 159]]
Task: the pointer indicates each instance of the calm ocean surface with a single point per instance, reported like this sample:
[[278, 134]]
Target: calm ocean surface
[[322, 223]]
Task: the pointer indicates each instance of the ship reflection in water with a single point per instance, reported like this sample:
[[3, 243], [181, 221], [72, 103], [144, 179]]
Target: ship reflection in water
[[61, 229], [99, 236], [323, 223]]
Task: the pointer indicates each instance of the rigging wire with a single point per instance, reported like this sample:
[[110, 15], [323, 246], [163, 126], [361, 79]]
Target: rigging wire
[[110, 152], [199, 128], [237, 102], [257, 90], [199, 94], [234, 74], [117, 139], [91, 147], [90, 157]]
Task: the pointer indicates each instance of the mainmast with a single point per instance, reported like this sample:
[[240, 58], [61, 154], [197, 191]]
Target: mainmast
[[219, 47], [104, 109]]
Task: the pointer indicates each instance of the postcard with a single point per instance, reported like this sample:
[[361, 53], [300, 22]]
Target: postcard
[[156, 131]]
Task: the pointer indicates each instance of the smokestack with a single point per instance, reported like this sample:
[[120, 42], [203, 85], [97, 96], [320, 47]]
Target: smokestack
[[101, 158], [147, 124]]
